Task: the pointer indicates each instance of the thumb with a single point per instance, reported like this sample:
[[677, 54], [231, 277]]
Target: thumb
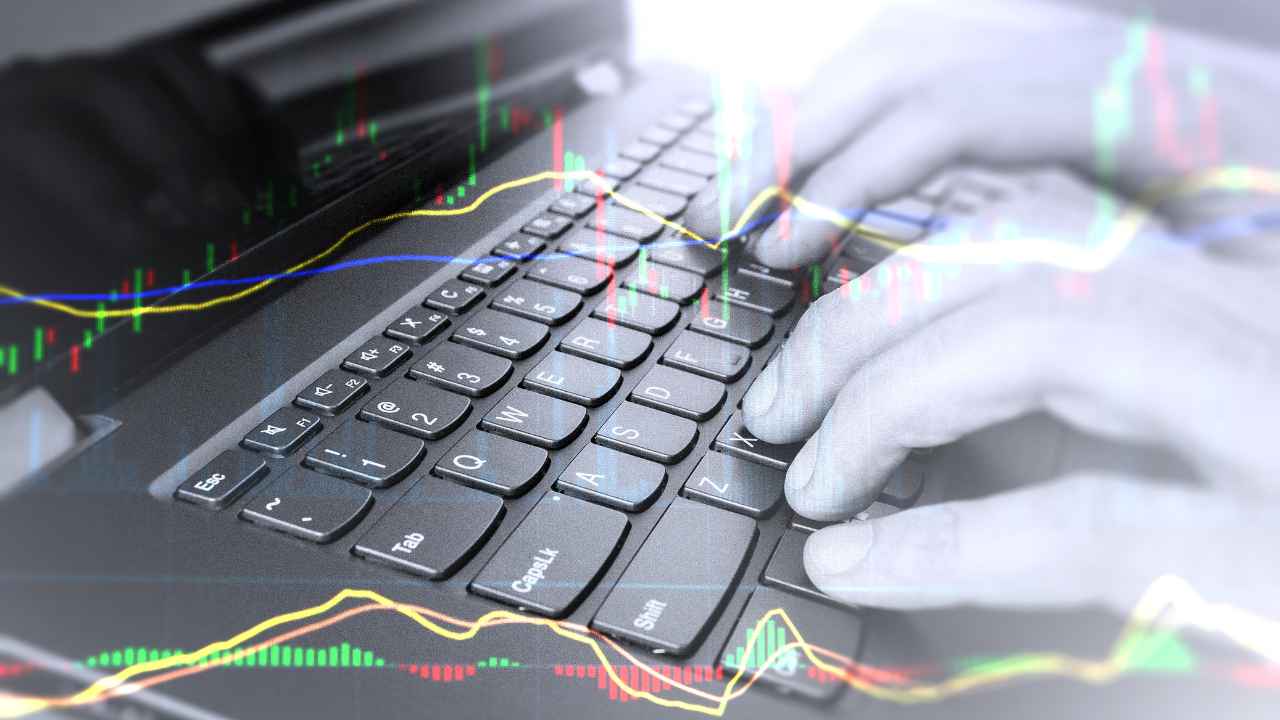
[[1082, 539]]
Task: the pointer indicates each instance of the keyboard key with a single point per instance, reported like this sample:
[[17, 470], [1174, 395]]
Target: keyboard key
[[597, 340], [462, 370], [672, 181], [308, 505], [687, 254], [600, 247], [689, 162], [537, 419], [625, 223], [539, 302], [571, 273], [519, 247], [679, 393], [737, 485], [638, 311], [222, 480], [867, 252], [500, 334], [332, 393], [550, 562], [753, 293], [664, 204], [648, 433], [417, 408], [904, 221], [665, 282], [744, 327], [904, 485], [431, 531], [282, 432], [678, 121], [621, 168], [736, 439], [489, 271], [574, 379], [572, 205], [641, 151], [699, 142], [696, 107], [493, 463], [611, 478], [547, 226], [377, 357], [792, 671], [707, 356], [455, 296], [676, 585], [785, 278], [417, 325], [659, 136], [786, 567], [600, 187], [367, 454]]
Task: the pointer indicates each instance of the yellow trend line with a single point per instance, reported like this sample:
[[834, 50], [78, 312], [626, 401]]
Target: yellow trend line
[[1169, 601], [1021, 250]]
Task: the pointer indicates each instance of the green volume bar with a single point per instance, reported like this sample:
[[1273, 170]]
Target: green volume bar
[[37, 345]]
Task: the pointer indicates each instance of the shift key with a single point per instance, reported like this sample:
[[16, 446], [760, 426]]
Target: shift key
[[554, 557], [671, 593]]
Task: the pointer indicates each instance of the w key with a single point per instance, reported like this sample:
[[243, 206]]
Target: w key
[[537, 419]]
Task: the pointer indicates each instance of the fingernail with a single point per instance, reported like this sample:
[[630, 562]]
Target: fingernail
[[800, 474], [759, 399], [837, 550]]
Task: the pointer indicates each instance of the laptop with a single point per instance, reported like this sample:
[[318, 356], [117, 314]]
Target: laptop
[[436, 425]]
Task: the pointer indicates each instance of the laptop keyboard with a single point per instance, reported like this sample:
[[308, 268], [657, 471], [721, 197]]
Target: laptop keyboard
[[557, 321]]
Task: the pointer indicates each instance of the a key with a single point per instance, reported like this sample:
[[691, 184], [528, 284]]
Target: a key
[[282, 432], [534, 418], [608, 477], [574, 379], [417, 325], [638, 311], [760, 271], [735, 324], [367, 454], [573, 205], [378, 357], [537, 301], [550, 562], [417, 408], [547, 226], [308, 505], [494, 463], [621, 168], [685, 161], [648, 433], [659, 136], [786, 567], [431, 531], [625, 223], [641, 152], [222, 480], [843, 272], [733, 484], [571, 273], [752, 644], [332, 392], [489, 271], [597, 340], [519, 247], [676, 585], [679, 393], [463, 370], [665, 204], [672, 181], [665, 282], [737, 440], [707, 356], [686, 254], [455, 296], [600, 247], [501, 334], [599, 187], [753, 293]]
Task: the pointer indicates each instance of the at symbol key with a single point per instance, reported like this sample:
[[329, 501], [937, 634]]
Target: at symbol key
[[417, 408]]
